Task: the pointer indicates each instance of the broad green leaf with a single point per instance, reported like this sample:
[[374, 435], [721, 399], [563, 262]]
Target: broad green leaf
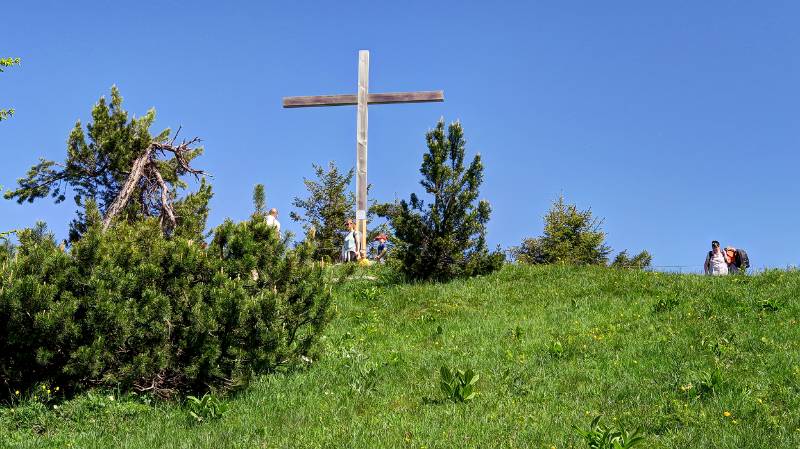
[[445, 373]]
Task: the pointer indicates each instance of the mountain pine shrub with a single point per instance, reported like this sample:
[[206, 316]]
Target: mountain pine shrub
[[134, 309], [446, 237]]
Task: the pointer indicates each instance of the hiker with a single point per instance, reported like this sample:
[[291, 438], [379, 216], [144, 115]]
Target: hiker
[[737, 259], [730, 259], [351, 247], [272, 220], [381, 249], [716, 265]]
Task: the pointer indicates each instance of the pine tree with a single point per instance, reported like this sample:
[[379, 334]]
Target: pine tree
[[98, 168], [326, 208], [5, 114], [445, 238], [259, 200], [571, 236], [132, 308], [637, 262]]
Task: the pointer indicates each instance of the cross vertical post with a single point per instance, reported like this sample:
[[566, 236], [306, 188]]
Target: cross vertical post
[[362, 99], [361, 146]]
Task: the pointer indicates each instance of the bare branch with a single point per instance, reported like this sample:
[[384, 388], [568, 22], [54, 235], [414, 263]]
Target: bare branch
[[166, 204], [146, 176], [172, 142], [130, 185]]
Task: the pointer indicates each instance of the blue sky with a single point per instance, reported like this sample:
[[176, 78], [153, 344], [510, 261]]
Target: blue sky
[[677, 122]]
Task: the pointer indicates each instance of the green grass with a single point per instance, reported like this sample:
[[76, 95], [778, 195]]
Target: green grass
[[554, 347]]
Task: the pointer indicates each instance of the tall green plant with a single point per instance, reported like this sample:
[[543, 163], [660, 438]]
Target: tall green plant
[[598, 436], [205, 408], [458, 385], [445, 238]]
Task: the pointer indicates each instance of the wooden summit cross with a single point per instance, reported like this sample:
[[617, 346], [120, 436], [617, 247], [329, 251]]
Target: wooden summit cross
[[362, 99]]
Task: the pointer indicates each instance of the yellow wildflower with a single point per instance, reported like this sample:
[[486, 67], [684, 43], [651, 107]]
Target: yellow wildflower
[[16, 392], [726, 413]]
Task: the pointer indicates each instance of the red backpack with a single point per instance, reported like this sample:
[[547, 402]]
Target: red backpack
[[730, 255]]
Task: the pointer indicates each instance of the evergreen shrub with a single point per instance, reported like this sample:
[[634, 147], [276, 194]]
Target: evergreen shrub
[[135, 309], [444, 238]]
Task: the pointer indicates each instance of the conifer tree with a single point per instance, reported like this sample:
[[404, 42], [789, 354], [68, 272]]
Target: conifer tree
[[133, 309], [574, 237], [326, 208], [638, 262], [259, 200], [100, 162], [445, 238], [571, 236]]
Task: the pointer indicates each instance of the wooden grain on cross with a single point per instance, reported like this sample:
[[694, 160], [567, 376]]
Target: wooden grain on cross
[[345, 100], [362, 99]]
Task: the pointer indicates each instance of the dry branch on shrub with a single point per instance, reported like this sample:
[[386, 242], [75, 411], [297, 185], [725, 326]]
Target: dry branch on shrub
[[146, 175]]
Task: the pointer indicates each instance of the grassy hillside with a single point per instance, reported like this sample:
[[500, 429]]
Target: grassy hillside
[[671, 354]]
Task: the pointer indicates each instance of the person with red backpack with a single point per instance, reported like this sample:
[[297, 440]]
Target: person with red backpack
[[737, 259], [730, 257]]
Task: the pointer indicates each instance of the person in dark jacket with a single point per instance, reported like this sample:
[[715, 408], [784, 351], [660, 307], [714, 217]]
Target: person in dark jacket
[[737, 259]]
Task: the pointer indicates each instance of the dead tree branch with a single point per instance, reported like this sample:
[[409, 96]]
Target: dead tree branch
[[137, 171], [147, 178]]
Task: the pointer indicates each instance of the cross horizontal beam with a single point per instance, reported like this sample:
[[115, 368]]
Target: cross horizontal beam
[[343, 100]]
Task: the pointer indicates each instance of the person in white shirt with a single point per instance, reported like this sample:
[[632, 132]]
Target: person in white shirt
[[351, 246], [716, 265], [272, 220]]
